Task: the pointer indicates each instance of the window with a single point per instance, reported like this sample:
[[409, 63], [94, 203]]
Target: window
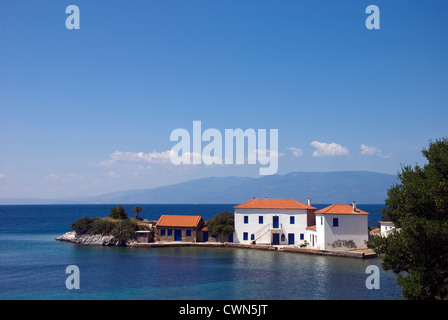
[[170, 232], [260, 219], [335, 222], [302, 236], [321, 220], [252, 237], [188, 234], [292, 220], [246, 219], [245, 236], [162, 232]]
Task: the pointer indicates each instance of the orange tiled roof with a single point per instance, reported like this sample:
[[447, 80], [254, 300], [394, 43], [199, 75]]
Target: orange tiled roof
[[273, 204], [340, 209], [312, 227], [178, 221]]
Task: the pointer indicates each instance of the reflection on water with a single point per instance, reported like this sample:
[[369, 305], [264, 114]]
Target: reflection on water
[[227, 273]]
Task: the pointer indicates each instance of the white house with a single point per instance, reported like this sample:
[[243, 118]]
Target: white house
[[273, 221], [386, 228], [339, 227]]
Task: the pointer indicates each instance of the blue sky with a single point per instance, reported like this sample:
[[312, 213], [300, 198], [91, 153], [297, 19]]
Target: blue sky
[[90, 111]]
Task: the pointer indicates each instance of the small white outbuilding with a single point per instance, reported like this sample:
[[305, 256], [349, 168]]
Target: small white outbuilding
[[339, 227], [386, 228]]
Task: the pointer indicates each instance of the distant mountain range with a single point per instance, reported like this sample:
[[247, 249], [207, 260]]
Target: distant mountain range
[[322, 187]]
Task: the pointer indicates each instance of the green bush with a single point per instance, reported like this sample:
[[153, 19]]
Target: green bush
[[83, 225], [102, 226], [222, 223], [118, 213], [124, 230]]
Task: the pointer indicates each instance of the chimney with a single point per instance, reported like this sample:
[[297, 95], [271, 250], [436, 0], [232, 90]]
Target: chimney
[[354, 207], [309, 201]]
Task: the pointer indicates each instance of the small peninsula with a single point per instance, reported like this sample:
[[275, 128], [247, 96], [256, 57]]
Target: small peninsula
[[117, 229]]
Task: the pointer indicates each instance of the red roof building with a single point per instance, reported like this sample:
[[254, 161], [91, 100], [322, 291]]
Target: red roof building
[[268, 203], [178, 228], [339, 227], [179, 221], [273, 221], [341, 209]]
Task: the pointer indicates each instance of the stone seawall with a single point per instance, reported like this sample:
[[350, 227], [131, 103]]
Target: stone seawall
[[360, 253]]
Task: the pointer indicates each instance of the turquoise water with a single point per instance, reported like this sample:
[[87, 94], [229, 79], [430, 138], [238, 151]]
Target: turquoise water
[[32, 265]]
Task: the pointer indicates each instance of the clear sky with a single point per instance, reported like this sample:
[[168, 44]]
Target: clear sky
[[90, 111]]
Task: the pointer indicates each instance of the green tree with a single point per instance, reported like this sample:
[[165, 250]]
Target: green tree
[[137, 210], [83, 225], [222, 223], [118, 213], [418, 206], [102, 226], [124, 230]]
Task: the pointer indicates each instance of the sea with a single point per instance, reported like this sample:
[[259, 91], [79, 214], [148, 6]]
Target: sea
[[33, 265]]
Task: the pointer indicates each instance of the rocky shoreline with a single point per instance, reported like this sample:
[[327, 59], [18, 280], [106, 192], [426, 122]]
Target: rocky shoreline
[[90, 240]]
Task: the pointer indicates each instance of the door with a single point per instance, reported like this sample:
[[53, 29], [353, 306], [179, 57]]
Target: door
[[276, 238], [275, 222], [177, 235], [290, 238], [205, 236]]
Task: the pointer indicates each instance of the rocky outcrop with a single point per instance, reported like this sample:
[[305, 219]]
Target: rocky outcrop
[[90, 240]]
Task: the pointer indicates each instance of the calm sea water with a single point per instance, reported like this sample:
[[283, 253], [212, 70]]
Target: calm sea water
[[33, 263]]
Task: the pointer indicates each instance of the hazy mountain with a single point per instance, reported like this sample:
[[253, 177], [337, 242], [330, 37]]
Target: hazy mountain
[[321, 187]]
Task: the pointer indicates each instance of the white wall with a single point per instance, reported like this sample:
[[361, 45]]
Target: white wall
[[386, 228], [253, 225], [351, 233], [312, 239], [320, 231]]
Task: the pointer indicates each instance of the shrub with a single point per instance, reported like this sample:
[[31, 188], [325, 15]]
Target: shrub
[[102, 226], [118, 213], [222, 223], [83, 225], [124, 230]]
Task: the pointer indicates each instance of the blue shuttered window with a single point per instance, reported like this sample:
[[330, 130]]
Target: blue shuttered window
[[335, 222]]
